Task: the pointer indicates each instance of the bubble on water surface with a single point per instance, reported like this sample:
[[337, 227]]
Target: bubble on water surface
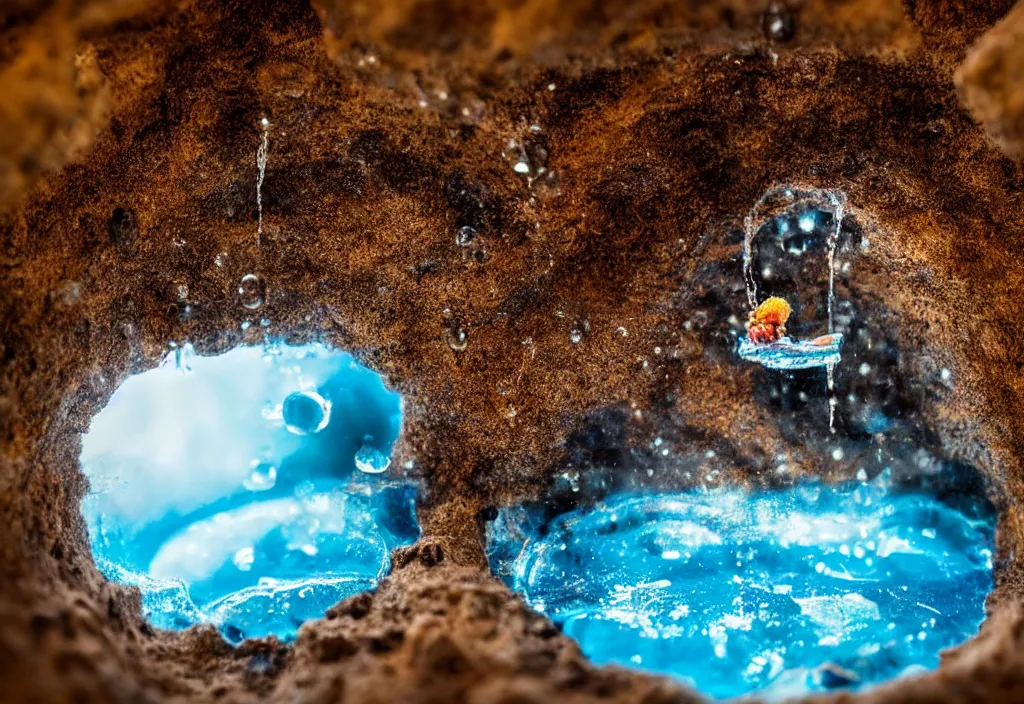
[[370, 460], [306, 412], [262, 476], [772, 592]]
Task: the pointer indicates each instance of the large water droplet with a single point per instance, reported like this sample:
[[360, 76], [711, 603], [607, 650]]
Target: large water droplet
[[262, 476], [457, 339], [306, 412], [251, 291], [370, 460], [465, 236]]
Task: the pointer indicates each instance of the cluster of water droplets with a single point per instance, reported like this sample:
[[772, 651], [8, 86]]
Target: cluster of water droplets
[[471, 245], [235, 489], [528, 156]]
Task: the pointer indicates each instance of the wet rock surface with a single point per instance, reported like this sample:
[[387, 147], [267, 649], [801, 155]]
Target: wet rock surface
[[604, 154]]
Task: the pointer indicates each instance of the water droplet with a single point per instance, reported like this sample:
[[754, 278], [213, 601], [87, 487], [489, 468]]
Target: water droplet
[[579, 330], [457, 339], [465, 236], [522, 166], [262, 476], [306, 412], [777, 23], [220, 259], [251, 291], [370, 460], [181, 290], [244, 558], [124, 227]]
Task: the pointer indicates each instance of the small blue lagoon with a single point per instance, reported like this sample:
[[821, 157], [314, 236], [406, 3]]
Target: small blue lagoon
[[246, 490], [779, 593]]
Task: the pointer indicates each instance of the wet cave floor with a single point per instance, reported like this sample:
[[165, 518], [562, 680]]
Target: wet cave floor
[[544, 226]]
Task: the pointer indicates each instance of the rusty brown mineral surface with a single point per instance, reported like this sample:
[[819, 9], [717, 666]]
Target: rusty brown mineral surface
[[128, 134]]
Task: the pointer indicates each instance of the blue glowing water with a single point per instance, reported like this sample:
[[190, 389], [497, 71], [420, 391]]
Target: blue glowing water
[[226, 488], [781, 593], [788, 354]]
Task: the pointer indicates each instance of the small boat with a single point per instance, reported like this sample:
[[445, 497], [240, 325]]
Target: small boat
[[787, 353]]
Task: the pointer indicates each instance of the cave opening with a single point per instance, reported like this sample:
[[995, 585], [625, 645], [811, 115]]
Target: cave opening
[[246, 490]]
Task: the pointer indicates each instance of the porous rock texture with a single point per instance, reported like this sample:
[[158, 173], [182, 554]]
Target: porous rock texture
[[594, 298], [992, 78]]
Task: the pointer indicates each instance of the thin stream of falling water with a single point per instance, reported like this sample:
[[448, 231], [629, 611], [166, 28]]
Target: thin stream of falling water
[[832, 402], [838, 201], [261, 165], [749, 231]]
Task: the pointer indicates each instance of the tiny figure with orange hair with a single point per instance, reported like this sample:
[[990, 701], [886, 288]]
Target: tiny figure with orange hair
[[767, 324]]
